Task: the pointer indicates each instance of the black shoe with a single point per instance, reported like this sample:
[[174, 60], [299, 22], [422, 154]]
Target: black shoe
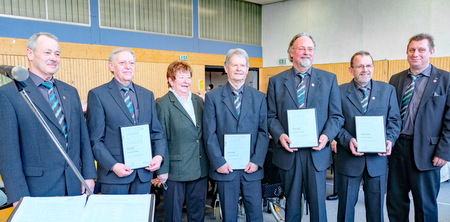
[[334, 196]]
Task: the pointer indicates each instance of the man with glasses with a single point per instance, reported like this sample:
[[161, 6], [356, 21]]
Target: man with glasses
[[302, 87], [364, 97]]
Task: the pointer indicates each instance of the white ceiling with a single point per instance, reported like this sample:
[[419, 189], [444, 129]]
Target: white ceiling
[[265, 2]]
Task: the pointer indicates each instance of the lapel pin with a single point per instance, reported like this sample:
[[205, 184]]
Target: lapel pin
[[373, 98], [312, 85], [64, 97], [435, 80]]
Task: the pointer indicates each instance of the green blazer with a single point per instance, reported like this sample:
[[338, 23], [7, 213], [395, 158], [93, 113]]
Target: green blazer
[[186, 159]]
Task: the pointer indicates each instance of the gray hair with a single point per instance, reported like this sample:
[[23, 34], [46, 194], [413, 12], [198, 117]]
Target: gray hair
[[239, 52], [32, 42], [361, 53], [291, 44], [113, 53]]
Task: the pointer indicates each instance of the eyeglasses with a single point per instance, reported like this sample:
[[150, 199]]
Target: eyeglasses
[[302, 49], [362, 66]]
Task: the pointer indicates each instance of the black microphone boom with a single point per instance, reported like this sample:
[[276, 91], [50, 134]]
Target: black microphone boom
[[18, 73]]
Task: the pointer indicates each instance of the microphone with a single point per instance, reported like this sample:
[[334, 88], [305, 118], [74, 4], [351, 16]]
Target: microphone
[[18, 73]]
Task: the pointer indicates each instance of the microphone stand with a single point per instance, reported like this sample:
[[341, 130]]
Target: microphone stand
[[20, 87]]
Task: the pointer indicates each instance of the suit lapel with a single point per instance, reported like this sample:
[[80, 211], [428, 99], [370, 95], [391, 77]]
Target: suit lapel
[[399, 86], [352, 95], [374, 96], [178, 105], [246, 102], [313, 85], [430, 87], [289, 83], [40, 102], [227, 99], [65, 101], [115, 94]]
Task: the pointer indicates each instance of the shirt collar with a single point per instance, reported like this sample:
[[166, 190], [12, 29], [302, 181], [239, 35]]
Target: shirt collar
[[120, 85], [358, 86], [297, 72], [426, 72], [38, 80], [233, 89], [179, 97]]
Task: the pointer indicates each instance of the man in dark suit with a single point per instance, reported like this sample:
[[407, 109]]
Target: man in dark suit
[[364, 97], [304, 87], [121, 103], [30, 162], [235, 109], [423, 93]]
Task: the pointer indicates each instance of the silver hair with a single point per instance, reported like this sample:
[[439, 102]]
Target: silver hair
[[32, 42], [239, 52], [115, 51]]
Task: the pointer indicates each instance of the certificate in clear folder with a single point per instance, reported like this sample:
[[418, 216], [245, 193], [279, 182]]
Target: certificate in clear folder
[[370, 134], [137, 147], [302, 128], [237, 150]]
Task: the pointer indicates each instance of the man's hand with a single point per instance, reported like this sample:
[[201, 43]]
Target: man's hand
[[353, 145], [122, 170], [437, 161], [91, 185], [323, 140], [155, 164], [251, 168], [334, 146], [163, 177], [388, 149], [225, 169], [285, 141]]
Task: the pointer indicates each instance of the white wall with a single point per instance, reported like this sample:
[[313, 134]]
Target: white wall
[[342, 27]]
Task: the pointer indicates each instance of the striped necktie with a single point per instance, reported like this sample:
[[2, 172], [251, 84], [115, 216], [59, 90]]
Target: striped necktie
[[301, 90], [128, 102], [56, 106], [237, 101], [407, 96], [364, 98]]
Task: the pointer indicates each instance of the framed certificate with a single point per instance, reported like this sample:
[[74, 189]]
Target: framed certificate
[[137, 148], [302, 127], [370, 134], [237, 150]]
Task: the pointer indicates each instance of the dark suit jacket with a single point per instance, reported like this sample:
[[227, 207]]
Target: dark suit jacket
[[186, 158], [323, 94], [432, 124], [383, 102], [106, 113], [220, 117], [30, 163]]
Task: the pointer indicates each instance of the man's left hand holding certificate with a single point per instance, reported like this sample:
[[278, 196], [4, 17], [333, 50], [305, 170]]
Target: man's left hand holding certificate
[[137, 148]]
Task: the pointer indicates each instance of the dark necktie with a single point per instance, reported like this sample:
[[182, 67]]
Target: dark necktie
[[128, 101], [364, 98], [407, 96], [56, 106], [301, 90], [237, 101]]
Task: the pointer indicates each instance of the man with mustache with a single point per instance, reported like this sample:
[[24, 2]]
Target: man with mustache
[[30, 163], [364, 97], [301, 87]]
